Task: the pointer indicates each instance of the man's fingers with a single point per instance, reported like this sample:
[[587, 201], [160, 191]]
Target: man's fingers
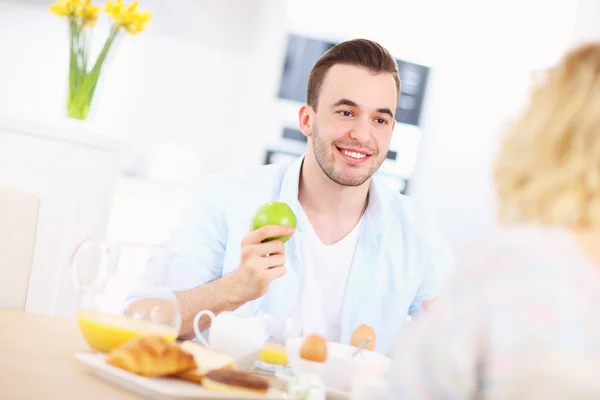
[[275, 272], [270, 248], [271, 261], [426, 305], [267, 232]]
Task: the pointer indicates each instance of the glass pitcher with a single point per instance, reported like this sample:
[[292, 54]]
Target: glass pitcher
[[123, 293]]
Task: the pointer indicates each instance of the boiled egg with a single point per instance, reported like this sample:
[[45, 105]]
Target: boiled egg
[[360, 334], [314, 348]]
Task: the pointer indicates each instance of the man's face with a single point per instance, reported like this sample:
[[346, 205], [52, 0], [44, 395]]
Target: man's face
[[351, 130]]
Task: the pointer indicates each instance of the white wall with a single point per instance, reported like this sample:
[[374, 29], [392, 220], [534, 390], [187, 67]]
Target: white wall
[[587, 26], [486, 53]]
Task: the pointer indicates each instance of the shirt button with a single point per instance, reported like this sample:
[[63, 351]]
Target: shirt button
[[288, 293]]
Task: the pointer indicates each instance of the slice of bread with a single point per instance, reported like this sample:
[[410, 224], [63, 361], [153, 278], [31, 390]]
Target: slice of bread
[[206, 360]]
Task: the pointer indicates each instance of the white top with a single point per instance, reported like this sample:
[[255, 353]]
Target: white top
[[520, 319], [325, 273]]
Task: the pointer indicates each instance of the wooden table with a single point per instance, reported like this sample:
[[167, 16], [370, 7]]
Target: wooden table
[[36, 361]]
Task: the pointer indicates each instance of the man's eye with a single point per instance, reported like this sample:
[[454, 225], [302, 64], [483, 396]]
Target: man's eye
[[346, 113], [381, 121]]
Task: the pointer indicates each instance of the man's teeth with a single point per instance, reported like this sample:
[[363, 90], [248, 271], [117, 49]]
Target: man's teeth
[[353, 154]]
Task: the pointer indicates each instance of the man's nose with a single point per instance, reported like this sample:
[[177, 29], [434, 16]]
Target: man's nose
[[362, 130]]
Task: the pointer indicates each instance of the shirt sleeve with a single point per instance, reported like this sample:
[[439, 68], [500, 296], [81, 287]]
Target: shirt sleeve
[[195, 250], [438, 270]]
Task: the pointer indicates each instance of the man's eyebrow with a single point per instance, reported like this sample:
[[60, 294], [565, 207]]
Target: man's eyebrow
[[386, 110], [350, 103], [345, 102]]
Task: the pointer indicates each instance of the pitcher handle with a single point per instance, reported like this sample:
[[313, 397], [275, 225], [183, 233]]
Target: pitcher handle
[[102, 265], [197, 332]]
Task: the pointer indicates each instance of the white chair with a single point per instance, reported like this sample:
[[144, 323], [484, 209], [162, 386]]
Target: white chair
[[18, 229]]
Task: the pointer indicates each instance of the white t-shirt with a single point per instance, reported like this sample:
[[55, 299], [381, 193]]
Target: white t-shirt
[[325, 273]]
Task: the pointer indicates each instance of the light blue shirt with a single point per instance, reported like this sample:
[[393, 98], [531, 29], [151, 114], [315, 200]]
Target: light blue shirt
[[401, 257]]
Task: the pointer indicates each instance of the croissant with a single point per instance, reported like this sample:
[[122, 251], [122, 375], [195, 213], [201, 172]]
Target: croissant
[[151, 356]]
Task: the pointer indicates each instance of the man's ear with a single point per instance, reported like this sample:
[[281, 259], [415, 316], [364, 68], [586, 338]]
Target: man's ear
[[305, 115]]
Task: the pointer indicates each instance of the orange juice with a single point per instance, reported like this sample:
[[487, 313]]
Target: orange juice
[[104, 332]]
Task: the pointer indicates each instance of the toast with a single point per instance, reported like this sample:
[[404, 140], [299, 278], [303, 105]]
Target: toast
[[206, 360]]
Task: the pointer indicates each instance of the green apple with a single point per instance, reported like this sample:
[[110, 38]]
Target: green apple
[[274, 213]]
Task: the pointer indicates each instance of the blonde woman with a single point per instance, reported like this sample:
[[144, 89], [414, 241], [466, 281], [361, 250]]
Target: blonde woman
[[522, 319]]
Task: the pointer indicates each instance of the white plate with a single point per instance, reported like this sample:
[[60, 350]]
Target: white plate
[[162, 388]]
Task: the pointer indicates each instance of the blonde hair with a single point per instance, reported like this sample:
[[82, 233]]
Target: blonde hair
[[548, 167]]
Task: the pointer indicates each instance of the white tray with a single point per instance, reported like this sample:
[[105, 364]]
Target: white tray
[[163, 388]]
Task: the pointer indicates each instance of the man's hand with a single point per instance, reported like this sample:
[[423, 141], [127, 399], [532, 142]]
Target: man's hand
[[261, 261], [427, 305]]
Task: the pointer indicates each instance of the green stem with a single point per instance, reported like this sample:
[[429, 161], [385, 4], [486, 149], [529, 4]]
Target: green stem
[[81, 97], [97, 68], [73, 68], [85, 51]]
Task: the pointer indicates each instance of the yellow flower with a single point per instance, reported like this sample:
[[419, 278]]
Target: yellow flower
[[88, 13], [64, 8], [114, 9], [139, 23], [128, 16]]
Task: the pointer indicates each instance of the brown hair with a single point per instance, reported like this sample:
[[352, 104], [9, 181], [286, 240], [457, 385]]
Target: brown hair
[[359, 52]]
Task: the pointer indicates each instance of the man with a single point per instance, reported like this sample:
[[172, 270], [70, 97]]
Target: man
[[361, 253]]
